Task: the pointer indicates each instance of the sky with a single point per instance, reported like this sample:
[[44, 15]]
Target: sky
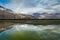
[[31, 6]]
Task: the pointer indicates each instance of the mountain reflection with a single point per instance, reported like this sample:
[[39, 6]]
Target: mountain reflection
[[29, 32], [5, 26]]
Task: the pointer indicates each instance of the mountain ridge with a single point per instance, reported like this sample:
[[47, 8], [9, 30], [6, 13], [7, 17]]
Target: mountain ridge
[[9, 14]]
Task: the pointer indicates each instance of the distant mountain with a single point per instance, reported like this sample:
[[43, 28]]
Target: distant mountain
[[23, 16], [36, 15], [9, 14], [5, 9], [2, 8], [46, 15], [50, 16]]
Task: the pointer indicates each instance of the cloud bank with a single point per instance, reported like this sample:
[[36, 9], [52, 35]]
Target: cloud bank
[[26, 6]]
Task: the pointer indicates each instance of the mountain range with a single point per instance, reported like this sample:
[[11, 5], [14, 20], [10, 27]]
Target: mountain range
[[6, 13], [9, 14], [46, 15]]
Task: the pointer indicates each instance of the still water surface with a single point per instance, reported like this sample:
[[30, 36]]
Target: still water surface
[[30, 32]]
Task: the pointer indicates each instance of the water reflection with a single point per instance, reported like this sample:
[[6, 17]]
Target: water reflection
[[32, 27], [29, 32], [5, 26]]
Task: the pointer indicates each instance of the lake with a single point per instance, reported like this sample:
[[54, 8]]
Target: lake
[[9, 31]]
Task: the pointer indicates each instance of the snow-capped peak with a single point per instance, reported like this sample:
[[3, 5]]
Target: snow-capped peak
[[2, 8], [6, 9]]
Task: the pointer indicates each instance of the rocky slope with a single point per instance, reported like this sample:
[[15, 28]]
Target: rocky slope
[[9, 14]]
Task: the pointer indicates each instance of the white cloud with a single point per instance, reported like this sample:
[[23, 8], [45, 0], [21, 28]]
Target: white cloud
[[19, 6], [56, 8]]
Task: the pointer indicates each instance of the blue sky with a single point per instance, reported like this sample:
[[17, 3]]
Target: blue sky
[[4, 2], [26, 6]]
